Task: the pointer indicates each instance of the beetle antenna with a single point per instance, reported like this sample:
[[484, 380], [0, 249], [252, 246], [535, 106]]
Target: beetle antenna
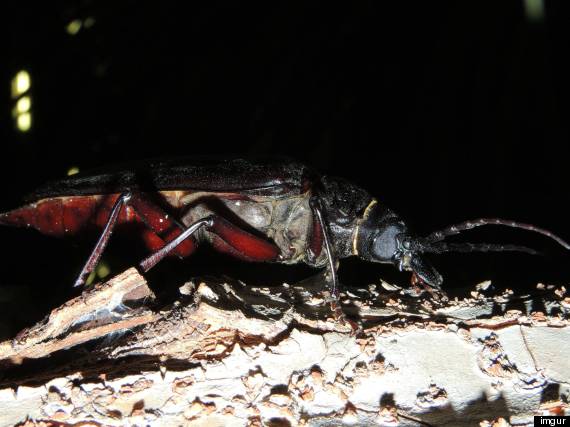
[[440, 247], [438, 236]]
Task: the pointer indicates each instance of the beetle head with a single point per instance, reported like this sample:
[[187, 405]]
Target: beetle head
[[383, 237]]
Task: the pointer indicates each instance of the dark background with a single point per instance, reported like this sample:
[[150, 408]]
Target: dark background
[[445, 112]]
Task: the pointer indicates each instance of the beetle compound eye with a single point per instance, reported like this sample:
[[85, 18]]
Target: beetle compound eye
[[385, 244]]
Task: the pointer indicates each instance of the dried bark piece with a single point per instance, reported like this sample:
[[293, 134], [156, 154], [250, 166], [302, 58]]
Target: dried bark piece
[[104, 309]]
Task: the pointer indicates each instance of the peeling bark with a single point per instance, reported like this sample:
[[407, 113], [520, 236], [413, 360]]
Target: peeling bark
[[228, 354]]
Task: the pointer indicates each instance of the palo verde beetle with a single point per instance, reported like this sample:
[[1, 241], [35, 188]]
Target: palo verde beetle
[[256, 211]]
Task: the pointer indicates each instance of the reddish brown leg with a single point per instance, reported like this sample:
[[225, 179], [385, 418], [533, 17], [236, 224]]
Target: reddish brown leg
[[153, 259], [169, 236], [238, 241], [241, 243], [103, 239], [164, 227], [160, 225]]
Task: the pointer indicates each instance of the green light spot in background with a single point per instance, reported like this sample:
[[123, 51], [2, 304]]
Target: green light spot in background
[[102, 270], [534, 10], [89, 22]]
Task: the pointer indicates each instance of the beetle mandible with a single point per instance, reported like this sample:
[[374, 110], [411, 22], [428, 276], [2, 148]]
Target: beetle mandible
[[270, 211]]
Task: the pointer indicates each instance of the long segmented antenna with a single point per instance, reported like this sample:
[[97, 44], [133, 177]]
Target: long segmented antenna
[[438, 236], [440, 247]]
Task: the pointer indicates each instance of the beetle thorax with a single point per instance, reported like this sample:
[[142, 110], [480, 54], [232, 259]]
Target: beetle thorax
[[345, 205]]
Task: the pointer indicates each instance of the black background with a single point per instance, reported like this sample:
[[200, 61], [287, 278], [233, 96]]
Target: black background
[[443, 111]]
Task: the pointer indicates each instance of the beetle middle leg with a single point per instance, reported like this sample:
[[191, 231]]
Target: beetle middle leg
[[154, 258], [232, 239]]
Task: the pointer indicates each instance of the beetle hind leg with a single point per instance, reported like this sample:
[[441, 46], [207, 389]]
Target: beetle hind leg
[[162, 228], [101, 244]]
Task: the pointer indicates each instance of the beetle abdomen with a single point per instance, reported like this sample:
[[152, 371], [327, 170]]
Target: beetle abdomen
[[66, 216], [287, 222]]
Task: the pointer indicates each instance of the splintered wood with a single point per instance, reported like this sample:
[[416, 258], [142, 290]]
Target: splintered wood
[[229, 354], [93, 315]]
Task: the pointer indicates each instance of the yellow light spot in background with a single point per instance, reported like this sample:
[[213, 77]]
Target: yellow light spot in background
[[90, 278], [24, 122], [21, 83], [23, 105], [73, 171], [73, 27], [102, 270], [534, 10]]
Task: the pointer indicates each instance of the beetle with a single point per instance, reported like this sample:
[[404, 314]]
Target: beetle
[[264, 211]]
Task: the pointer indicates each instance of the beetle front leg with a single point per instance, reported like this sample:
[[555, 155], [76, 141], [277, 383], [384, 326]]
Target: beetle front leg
[[420, 285], [332, 266], [331, 258]]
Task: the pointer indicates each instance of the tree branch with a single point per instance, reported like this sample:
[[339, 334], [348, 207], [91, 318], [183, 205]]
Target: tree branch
[[234, 354]]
